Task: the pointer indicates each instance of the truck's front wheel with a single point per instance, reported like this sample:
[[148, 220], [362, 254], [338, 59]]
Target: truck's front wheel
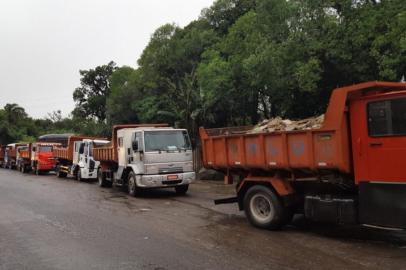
[[264, 209], [132, 187], [79, 175], [61, 174]]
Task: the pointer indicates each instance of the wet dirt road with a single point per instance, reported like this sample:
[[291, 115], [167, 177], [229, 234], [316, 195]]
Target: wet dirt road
[[49, 223]]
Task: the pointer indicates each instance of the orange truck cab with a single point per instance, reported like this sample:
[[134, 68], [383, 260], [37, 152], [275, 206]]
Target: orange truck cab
[[37, 157], [349, 171]]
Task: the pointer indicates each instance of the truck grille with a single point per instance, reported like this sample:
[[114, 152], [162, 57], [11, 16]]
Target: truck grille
[[170, 170]]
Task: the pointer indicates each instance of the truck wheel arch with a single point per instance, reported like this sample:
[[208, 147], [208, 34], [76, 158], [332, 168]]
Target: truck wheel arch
[[280, 187]]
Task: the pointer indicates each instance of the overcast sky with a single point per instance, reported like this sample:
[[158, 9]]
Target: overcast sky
[[44, 43]]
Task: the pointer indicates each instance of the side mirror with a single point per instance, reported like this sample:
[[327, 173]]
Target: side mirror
[[135, 146]]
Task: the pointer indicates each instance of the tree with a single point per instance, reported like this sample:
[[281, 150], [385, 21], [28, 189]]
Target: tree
[[91, 96], [122, 103]]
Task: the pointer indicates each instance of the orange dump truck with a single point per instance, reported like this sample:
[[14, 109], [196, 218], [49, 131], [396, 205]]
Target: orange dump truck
[[350, 171], [77, 157], [11, 155], [37, 157]]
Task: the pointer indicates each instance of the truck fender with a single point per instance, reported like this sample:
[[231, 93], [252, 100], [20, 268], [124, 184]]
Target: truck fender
[[134, 168], [283, 188]]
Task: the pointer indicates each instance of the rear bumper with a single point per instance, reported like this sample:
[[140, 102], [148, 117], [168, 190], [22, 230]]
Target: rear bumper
[[161, 180]]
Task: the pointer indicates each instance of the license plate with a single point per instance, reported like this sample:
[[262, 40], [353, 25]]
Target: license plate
[[172, 177]]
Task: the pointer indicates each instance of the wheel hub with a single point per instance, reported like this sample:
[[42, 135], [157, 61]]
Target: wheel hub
[[261, 207]]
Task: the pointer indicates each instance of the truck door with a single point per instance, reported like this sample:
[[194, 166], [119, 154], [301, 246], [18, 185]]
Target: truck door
[[77, 152], [84, 158], [386, 142], [378, 131], [121, 151]]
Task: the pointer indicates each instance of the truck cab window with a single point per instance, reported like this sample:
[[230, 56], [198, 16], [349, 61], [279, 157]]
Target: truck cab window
[[387, 118], [45, 149]]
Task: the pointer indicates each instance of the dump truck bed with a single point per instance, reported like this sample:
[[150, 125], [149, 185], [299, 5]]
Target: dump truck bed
[[66, 153], [12, 150], [310, 150], [25, 154], [105, 154]]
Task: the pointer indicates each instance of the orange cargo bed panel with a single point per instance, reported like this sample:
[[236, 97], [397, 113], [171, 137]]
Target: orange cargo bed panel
[[25, 154], [307, 150], [104, 154]]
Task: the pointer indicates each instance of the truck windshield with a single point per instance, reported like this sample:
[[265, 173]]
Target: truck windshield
[[45, 149], [166, 141]]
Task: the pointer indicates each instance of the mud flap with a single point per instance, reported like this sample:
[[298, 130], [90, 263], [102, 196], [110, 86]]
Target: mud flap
[[226, 200]]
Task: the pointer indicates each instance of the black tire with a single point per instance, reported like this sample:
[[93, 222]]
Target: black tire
[[132, 187], [79, 175], [60, 174], [264, 209], [181, 190], [101, 178]]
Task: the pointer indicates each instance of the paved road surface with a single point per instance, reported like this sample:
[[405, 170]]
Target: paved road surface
[[49, 223]]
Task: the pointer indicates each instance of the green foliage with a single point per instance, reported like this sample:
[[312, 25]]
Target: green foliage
[[244, 60], [240, 61], [91, 96]]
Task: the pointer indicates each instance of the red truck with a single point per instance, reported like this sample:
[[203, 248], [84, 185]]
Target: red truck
[[37, 157], [350, 171]]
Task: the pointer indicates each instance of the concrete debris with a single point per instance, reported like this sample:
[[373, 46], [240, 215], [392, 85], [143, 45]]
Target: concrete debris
[[279, 124]]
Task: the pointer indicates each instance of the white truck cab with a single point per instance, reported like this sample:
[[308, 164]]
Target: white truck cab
[[83, 161], [150, 157]]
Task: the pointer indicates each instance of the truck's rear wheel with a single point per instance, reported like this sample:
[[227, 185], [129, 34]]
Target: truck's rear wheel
[[181, 190], [61, 174], [264, 209], [101, 178], [132, 187]]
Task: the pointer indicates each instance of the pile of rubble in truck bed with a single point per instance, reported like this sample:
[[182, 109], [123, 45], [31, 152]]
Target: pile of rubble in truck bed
[[279, 124]]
